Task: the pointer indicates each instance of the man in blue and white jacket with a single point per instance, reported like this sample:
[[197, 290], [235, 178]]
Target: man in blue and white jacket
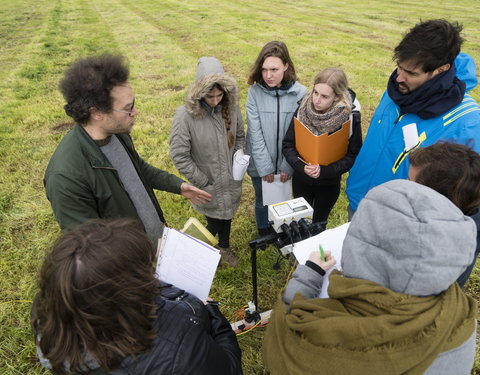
[[428, 88]]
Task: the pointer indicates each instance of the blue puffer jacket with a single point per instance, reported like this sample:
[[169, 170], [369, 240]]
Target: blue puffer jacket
[[269, 113], [383, 157]]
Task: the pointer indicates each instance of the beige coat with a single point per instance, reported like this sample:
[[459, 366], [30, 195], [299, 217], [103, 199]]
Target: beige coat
[[198, 141]]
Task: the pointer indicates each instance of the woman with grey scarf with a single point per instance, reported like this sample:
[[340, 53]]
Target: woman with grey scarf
[[324, 109]]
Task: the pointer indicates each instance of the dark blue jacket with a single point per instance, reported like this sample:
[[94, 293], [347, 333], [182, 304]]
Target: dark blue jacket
[[466, 274]]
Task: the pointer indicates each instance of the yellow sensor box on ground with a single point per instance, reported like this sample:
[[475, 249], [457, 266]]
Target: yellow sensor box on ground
[[193, 227]]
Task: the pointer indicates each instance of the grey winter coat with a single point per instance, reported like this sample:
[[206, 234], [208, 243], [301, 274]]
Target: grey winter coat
[[411, 239], [198, 141], [269, 113]]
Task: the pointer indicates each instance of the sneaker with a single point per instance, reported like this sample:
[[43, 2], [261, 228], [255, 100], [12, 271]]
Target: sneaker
[[228, 256]]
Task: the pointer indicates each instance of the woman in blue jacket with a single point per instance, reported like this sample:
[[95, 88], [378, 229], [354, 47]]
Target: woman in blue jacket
[[271, 102]]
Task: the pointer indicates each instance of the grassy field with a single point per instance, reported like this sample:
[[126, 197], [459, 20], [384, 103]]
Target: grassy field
[[162, 41]]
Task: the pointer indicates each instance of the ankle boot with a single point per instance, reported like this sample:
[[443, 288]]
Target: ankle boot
[[228, 256]]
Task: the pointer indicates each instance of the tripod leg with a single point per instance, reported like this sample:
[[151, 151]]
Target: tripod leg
[[254, 276]]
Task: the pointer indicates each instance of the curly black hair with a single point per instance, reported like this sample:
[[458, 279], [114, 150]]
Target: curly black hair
[[88, 82], [430, 44]]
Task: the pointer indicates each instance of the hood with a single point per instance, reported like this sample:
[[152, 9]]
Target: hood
[[210, 72], [466, 70], [409, 238]]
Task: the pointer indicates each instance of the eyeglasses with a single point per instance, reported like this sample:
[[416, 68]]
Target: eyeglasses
[[127, 112]]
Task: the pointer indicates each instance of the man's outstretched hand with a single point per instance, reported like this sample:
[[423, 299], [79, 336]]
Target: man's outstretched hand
[[194, 194]]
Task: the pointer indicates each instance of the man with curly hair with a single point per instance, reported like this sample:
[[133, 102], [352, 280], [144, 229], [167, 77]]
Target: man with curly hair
[[95, 171]]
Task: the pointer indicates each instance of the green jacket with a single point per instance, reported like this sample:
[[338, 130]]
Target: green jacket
[[81, 184]]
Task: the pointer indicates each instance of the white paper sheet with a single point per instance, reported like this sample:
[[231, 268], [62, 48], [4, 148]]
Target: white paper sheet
[[187, 263], [331, 240], [276, 191], [240, 164], [410, 136]]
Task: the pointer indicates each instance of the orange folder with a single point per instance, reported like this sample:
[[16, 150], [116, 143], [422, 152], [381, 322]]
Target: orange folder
[[321, 149]]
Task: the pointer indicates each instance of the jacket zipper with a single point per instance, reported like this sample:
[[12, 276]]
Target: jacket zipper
[[278, 129], [181, 298]]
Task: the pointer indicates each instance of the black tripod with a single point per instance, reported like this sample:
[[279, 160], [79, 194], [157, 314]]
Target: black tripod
[[290, 234]]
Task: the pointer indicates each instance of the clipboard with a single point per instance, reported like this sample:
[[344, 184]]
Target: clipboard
[[187, 263]]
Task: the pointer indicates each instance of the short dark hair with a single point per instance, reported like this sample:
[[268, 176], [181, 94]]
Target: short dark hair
[[88, 82], [451, 169], [97, 290], [430, 44], [272, 49]]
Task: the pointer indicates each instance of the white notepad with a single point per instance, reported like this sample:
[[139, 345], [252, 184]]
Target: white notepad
[[276, 191], [331, 240], [187, 263]]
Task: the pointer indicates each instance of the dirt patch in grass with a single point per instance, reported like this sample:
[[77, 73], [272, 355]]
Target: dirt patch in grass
[[63, 127], [176, 88]]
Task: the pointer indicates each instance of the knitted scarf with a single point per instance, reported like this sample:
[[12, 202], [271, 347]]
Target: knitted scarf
[[327, 122], [365, 328], [434, 98]]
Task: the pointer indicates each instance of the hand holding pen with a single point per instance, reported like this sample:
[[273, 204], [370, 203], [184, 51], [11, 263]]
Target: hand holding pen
[[311, 170], [326, 263]]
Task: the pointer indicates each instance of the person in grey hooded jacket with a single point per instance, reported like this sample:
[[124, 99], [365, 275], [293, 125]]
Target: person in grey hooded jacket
[[272, 100], [397, 308], [206, 131]]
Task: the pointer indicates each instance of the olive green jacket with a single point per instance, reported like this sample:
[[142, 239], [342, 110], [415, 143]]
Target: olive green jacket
[[81, 184]]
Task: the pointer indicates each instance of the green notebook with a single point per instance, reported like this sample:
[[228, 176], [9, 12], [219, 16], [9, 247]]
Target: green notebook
[[195, 228]]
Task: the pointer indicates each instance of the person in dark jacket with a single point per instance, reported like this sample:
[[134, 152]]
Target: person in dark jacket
[[101, 310], [324, 110], [454, 171], [95, 171]]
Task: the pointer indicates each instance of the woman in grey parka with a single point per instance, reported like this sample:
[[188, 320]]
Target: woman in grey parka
[[206, 131]]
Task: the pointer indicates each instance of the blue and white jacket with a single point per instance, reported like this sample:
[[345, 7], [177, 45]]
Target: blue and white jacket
[[383, 156]]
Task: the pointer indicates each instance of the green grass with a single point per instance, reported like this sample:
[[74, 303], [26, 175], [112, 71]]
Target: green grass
[[162, 41]]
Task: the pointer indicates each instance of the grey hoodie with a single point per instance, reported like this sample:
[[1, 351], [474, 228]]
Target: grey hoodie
[[408, 238]]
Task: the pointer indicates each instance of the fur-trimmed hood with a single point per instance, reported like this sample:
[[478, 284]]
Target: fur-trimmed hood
[[210, 72]]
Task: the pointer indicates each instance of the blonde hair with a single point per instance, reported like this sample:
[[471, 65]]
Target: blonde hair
[[337, 80]]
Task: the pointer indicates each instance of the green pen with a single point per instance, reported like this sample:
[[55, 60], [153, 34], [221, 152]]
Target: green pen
[[322, 253]]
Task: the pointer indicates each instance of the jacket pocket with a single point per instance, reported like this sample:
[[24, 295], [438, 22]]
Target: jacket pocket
[[210, 188], [236, 190]]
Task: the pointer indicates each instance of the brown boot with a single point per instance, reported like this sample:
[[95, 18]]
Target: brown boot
[[228, 256]]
